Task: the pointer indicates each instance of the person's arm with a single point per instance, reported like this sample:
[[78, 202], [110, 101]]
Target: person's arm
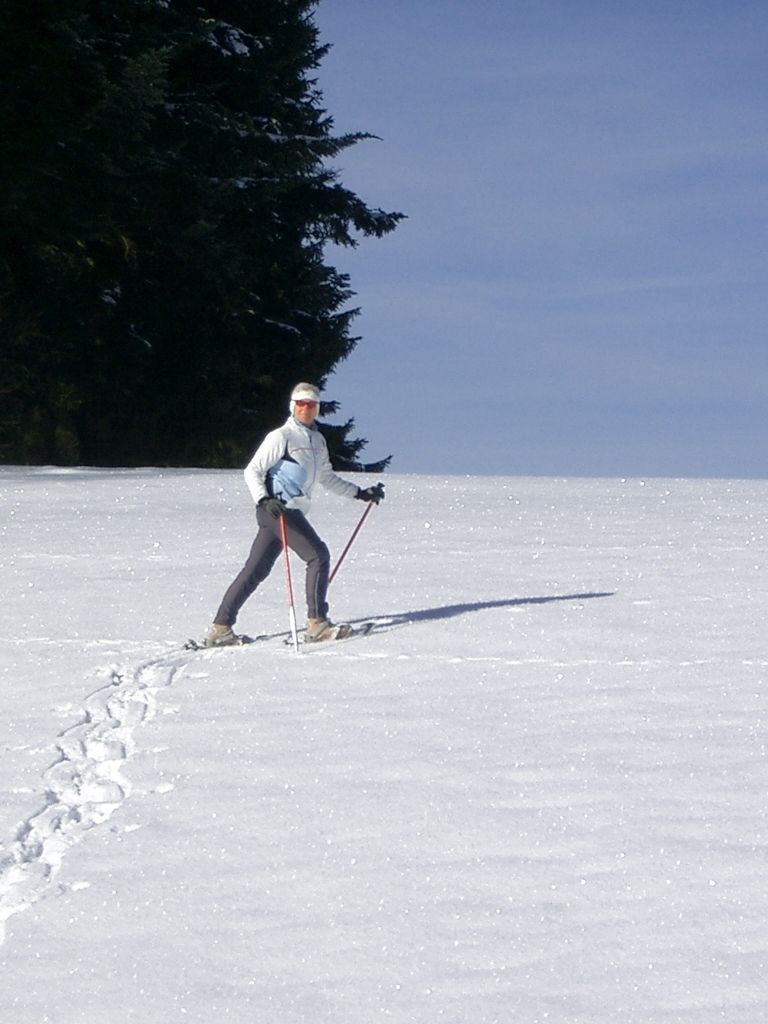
[[269, 452], [330, 480]]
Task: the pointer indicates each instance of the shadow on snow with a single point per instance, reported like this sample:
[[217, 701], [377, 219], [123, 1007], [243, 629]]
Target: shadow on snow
[[450, 611]]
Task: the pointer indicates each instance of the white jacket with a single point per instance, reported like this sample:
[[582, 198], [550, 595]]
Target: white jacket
[[307, 447]]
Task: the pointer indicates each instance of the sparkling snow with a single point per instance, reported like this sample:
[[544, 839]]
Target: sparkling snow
[[536, 793]]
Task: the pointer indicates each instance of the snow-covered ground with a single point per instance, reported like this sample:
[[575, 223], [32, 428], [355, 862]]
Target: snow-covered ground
[[536, 793]]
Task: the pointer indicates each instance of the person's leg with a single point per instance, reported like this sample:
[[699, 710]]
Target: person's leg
[[264, 552], [311, 549]]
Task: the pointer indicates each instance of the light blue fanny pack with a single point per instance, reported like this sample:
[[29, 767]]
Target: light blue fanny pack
[[286, 480]]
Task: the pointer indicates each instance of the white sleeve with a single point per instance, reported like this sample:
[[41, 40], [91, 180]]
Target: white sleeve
[[330, 480], [270, 451]]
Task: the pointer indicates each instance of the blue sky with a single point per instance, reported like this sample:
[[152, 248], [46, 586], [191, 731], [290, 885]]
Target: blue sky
[[581, 286]]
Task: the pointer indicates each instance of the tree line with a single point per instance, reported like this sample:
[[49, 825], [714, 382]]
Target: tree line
[[167, 196]]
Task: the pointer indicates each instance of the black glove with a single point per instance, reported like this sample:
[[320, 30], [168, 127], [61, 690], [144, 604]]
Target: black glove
[[374, 494], [274, 506]]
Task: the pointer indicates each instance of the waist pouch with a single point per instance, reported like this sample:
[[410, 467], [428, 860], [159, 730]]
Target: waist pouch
[[286, 480]]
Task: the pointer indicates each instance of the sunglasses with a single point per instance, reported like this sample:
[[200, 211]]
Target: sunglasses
[[302, 403]]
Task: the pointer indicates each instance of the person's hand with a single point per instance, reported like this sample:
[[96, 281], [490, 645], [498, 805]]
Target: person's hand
[[274, 506], [374, 494]]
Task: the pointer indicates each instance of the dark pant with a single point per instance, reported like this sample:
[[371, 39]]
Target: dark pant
[[264, 553]]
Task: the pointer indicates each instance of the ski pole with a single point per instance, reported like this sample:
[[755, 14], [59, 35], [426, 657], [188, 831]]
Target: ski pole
[[291, 609], [357, 529]]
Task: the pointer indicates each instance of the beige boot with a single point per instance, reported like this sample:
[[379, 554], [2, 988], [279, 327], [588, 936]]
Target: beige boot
[[319, 629], [221, 636]]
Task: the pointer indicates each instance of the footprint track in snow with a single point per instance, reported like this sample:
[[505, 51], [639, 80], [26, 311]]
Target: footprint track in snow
[[85, 784]]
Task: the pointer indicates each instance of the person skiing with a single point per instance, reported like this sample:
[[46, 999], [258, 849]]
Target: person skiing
[[280, 476]]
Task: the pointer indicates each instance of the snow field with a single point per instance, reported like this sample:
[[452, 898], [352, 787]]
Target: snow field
[[535, 793]]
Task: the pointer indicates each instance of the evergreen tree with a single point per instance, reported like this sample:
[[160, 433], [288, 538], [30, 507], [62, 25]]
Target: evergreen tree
[[166, 199]]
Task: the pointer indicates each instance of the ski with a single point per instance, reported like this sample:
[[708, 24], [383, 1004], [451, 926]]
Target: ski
[[343, 631], [198, 645]]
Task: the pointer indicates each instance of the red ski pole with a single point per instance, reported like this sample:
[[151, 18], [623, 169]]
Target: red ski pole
[[291, 609], [350, 542]]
